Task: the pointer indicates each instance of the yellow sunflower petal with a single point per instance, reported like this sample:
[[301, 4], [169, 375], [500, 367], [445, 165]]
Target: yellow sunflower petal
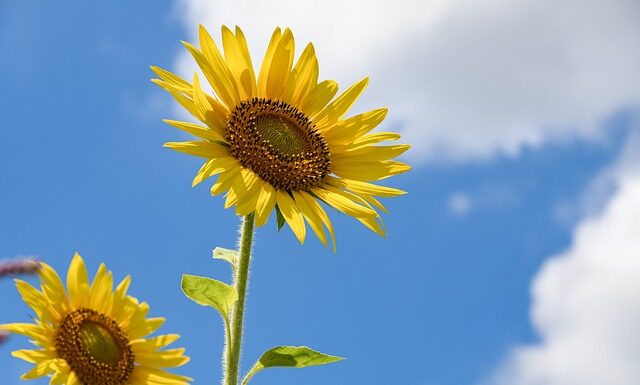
[[244, 48], [41, 369], [196, 130], [121, 290], [185, 101], [370, 170], [151, 376], [214, 167], [236, 59], [153, 344], [209, 110], [302, 77], [220, 69], [225, 180], [318, 97], [39, 334], [134, 314], [214, 68], [371, 153], [349, 130], [198, 148], [317, 208], [306, 71], [101, 296], [216, 119], [36, 301], [176, 81], [374, 202], [61, 374], [280, 68], [29, 330], [248, 202], [241, 187], [266, 62], [33, 356], [77, 282], [342, 203], [148, 326], [127, 311], [336, 109], [266, 203], [376, 138], [359, 187], [200, 99], [72, 379], [357, 198], [312, 217], [53, 288], [291, 214], [374, 224], [120, 300], [164, 359], [59, 378]]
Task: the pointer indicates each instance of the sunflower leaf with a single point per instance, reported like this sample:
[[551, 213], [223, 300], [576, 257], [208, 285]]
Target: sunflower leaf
[[228, 255], [209, 292], [280, 218], [290, 357]]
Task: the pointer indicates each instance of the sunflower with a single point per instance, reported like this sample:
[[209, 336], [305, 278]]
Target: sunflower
[[93, 335], [280, 140]]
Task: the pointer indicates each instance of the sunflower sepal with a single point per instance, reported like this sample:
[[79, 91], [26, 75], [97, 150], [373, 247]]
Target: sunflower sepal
[[290, 357], [210, 292], [280, 218]]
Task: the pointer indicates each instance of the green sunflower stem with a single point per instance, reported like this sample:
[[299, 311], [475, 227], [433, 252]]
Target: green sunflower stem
[[240, 282]]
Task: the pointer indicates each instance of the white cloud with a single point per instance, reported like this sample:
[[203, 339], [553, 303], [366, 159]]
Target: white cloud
[[487, 196], [464, 79], [596, 195], [586, 301], [459, 203]]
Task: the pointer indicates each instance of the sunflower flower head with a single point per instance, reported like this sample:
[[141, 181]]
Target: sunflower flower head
[[278, 138], [91, 334]]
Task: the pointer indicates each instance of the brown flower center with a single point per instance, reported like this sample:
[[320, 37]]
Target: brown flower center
[[95, 347], [279, 143]]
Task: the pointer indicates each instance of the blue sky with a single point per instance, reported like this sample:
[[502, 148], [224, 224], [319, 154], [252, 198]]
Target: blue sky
[[444, 299]]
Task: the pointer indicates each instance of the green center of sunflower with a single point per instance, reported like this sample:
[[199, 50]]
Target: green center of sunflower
[[95, 348], [283, 135], [99, 343], [279, 143]]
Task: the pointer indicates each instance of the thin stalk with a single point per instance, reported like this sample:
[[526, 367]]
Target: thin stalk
[[227, 350], [241, 282]]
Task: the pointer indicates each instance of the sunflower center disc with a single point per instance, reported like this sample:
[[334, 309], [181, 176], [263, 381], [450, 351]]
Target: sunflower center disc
[[95, 348], [283, 135], [99, 343], [279, 143]]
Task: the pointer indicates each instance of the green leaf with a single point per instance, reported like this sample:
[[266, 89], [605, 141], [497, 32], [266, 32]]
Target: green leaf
[[295, 356], [280, 218], [290, 357], [230, 256], [209, 292]]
